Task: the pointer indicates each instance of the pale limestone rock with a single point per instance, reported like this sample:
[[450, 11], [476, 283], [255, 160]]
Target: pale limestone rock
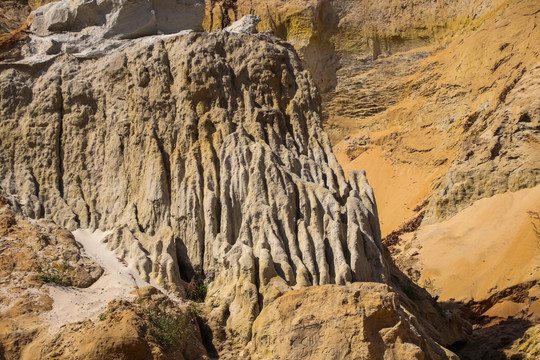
[[122, 18], [247, 24], [361, 321]]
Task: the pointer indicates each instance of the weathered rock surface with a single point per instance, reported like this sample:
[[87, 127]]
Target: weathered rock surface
[[13, 14], [247, 24], [342, 34], [124, 18], [37, 258], [203, 153], [127, 330], [362, 321], [439, 104], [31, 251], [382, 68], [464, 141]]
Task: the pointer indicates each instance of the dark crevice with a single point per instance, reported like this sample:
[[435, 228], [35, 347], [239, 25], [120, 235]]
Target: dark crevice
[[329, 254], [141, 229], [208, 338], [343, 238], [187, 272], [260, 298], [87, 207]]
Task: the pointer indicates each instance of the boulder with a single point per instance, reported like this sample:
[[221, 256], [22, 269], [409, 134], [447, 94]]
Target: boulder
[[118, 18], [361, 321]]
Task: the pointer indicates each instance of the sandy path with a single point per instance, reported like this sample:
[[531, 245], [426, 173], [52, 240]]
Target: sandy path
[[72, 304]]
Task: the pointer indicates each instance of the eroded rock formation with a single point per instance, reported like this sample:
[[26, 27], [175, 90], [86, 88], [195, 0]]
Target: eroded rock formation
[[438, 102], [40, 263], [203, 153]]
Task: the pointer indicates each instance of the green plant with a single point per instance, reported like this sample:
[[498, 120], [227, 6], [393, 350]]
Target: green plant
[[167, 327], [198, 314], [529, 344], [196, 290], [51, 273], [103, 316]]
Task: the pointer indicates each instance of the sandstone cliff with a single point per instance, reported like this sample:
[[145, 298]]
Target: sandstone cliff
[[204, 157], [13, 13], [462, 140], [437, 102], [296, 327], [344, 34]]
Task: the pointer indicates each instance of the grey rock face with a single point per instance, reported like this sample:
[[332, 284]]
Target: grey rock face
[[118, 18], [247, 24]]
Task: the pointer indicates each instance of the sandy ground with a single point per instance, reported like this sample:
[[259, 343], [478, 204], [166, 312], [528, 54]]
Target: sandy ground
[[117, 281], [483, 249]]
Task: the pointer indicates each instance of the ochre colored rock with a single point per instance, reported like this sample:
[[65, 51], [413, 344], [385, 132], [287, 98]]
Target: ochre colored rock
[[361, 321], [204, 155], [37, 255], [122, 333], [29, 250]]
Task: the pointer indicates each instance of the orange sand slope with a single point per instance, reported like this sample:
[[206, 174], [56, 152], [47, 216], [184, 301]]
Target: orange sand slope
[[399, 186], [485, 248]]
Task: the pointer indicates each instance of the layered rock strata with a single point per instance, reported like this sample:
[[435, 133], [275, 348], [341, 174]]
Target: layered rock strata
[[342, 34], [438, 103]]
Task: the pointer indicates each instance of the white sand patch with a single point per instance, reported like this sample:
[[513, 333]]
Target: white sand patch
[[117, 281]]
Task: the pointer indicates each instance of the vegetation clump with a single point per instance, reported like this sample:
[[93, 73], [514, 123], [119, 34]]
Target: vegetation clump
[[196, 290], [529, 345], [167, 327], [103, 316], [53, 273]]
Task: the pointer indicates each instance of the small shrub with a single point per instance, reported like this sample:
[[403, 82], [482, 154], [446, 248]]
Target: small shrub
[[198, 314], [529, 344], [103, 316], [196, 290], [167, 328], [50, 273]]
